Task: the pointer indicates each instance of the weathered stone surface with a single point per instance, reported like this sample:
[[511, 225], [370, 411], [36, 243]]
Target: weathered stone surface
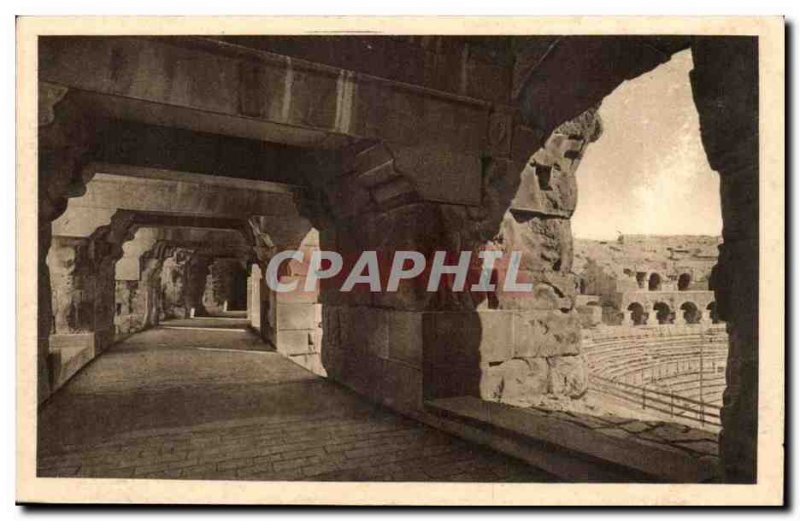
[[130, 307], [73, 285], [401, 387], [522, 381], [568, 376], [545, 243], [546, 333], [69, 353], [405, 337], [468, 338], [294, 342], [310, 361], [295, 316], [548, 182], [172, 285]]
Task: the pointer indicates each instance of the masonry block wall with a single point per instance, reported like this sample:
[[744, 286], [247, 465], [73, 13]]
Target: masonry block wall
[[402, 348]]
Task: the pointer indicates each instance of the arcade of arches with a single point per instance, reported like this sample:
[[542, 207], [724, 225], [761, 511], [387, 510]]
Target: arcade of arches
[[171, 169]]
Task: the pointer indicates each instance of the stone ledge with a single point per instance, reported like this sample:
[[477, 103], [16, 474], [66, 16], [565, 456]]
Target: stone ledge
[[69, 353], [599, 442]]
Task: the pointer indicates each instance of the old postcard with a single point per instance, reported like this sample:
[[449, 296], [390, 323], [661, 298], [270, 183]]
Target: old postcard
[[401, 261]]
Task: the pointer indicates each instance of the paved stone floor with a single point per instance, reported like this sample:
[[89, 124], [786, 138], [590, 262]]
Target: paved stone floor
[[211, 403]]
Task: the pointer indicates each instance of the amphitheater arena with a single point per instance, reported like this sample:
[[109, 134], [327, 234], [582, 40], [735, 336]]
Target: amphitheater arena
[[666, 372]]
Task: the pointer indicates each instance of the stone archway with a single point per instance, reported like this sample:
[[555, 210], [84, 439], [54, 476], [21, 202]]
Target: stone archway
[[638, 316], [684, 281], [691, 314], [654, 282], [664, 314]]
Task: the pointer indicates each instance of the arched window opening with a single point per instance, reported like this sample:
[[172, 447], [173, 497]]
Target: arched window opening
[[641, 277], [691, 314], [683, 281], [637, 314], [654, 283], [664, 314]]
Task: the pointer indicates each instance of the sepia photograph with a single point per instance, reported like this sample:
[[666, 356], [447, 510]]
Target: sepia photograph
[[401, 254]]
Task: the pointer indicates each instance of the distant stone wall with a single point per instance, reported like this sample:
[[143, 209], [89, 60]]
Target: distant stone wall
[[641, 262]]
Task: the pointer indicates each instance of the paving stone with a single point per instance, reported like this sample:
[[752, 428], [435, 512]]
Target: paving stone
[[151, 407], [635, 426], [704, 447]]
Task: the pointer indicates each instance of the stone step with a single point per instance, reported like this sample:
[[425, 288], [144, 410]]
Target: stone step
[[68, 355], [573, 447]]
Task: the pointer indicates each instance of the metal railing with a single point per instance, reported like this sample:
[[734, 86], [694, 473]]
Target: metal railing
[[659, 400], [646, 371]]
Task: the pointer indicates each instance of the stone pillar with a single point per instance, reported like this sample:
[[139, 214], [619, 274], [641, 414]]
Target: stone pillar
[[254, 286], [196, 274], [627, 319], [725, 89], [546, 357], [72, 284], [398, 347], [173, 285], [105, 301], [151, 279]]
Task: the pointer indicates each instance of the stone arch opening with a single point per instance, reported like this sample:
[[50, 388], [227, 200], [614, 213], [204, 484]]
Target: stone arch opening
[[691, 314], [654, 282], [638, 316], [684, 281], [664, 314]]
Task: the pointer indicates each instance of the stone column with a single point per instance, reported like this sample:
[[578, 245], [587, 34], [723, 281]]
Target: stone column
[[725, 89], [151, 278], [196, 274], [73, 285], [173, 285], [627, 320], [105, 301], [67, 138], [546, 353], [254, 284], [397, 347]]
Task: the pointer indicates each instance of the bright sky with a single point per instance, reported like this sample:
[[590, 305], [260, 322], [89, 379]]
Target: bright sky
[[648, 173]]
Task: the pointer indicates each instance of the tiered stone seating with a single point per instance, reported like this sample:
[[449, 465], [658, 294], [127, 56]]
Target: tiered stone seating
[[664, 360]]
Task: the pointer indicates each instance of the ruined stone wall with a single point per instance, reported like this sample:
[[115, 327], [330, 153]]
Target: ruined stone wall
[[607, 267]]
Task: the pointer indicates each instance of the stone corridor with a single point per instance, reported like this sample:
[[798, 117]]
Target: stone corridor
[[204, 399]]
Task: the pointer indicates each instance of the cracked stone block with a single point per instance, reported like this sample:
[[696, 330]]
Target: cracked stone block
[[523, 380], [469, 339], [295, 316], [294, 342], [568, 376], [546, 333], [405, 337]]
